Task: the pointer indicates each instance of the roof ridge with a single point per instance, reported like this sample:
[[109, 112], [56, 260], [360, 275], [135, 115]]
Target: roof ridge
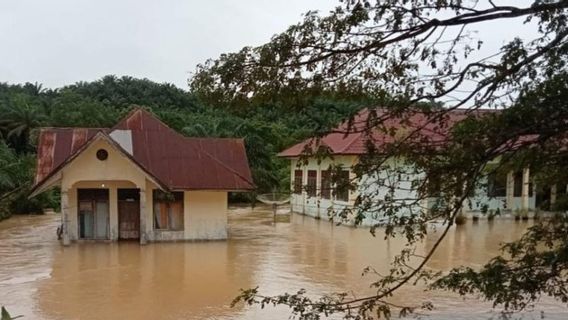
[[211, 138], [225, 166], [128, 115], [132, 158], [141, 109], [154, 116], [357, 137], [74, 128]]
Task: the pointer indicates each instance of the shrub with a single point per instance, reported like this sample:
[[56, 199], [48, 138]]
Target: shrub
[[484, 208], [561, 203]]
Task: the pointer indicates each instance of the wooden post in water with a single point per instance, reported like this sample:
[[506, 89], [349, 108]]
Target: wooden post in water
[[274, 208]]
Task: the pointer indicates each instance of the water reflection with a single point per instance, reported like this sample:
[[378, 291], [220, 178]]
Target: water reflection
[[161, 281], [41, 279]]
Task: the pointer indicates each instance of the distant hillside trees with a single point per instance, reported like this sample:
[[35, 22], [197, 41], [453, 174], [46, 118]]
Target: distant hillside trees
[[266, 128]]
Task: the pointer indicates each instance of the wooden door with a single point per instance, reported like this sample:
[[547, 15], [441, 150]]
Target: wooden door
[[128, 219]]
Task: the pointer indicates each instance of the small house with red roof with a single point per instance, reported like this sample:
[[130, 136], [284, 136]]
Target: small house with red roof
[[314, 194], [140, 180]]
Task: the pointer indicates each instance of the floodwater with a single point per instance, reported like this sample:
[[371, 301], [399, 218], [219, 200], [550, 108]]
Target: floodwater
[[40, 279]]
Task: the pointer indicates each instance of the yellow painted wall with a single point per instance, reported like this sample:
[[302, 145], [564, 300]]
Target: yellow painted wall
[[86, 171], [205, 214], [86, 167]]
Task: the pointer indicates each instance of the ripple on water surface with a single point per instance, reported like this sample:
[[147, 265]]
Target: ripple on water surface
[[197, 280]]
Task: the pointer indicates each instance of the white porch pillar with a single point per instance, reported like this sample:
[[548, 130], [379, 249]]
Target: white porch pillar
[[552, 194], [143, 235], [510, 189], [304, 184], [65, 217], [525, 193], [318, 189], [113, 213]]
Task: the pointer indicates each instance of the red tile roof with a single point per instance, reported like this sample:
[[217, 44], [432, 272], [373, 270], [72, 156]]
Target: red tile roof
[[351, 138], [180, 163]]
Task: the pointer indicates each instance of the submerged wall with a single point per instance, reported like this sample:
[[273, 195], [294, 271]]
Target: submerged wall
[[205, 212], [383, 186], [206, 215], [86, 171], [317, 206], [205, 218]]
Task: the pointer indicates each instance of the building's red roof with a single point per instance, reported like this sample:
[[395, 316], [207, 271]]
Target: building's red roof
[[180, 163], [55, 145], [351, 138]]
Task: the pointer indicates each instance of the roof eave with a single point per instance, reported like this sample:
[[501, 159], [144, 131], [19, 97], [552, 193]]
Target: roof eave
[[43, 185]]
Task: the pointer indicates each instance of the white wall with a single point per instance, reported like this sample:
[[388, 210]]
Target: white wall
[[394, 185], [367, 186], [481, 198], [384, 185], [317, 206]]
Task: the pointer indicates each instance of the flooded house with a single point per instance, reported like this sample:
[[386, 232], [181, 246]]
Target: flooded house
[[140, 180], [314, 194]]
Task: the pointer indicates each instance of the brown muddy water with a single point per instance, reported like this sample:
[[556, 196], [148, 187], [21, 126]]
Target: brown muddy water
[[40, 279]]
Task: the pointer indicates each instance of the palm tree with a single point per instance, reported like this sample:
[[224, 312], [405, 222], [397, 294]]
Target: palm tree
[[20, 118], [211, 127], [34, 89], [7, 163]]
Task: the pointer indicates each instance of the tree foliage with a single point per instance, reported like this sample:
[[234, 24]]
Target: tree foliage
[[15, 175], [426, 56]]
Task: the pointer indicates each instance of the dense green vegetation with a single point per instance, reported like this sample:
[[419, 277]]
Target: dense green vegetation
[[266, 128]]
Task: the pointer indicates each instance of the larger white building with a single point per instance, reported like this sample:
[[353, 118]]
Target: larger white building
[[313, 193]]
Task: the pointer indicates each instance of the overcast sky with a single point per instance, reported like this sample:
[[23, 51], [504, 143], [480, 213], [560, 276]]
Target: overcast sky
[[61, 42], [64, 41]]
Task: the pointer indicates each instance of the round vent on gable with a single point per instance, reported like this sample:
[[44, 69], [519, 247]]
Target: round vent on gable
[[102, 154]]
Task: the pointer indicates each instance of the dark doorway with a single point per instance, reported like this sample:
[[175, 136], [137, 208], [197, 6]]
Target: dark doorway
[[93, 213], [128, 214], [542, 200]]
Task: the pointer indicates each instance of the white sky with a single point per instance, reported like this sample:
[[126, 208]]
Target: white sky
[[64, 41], [61, 42]]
